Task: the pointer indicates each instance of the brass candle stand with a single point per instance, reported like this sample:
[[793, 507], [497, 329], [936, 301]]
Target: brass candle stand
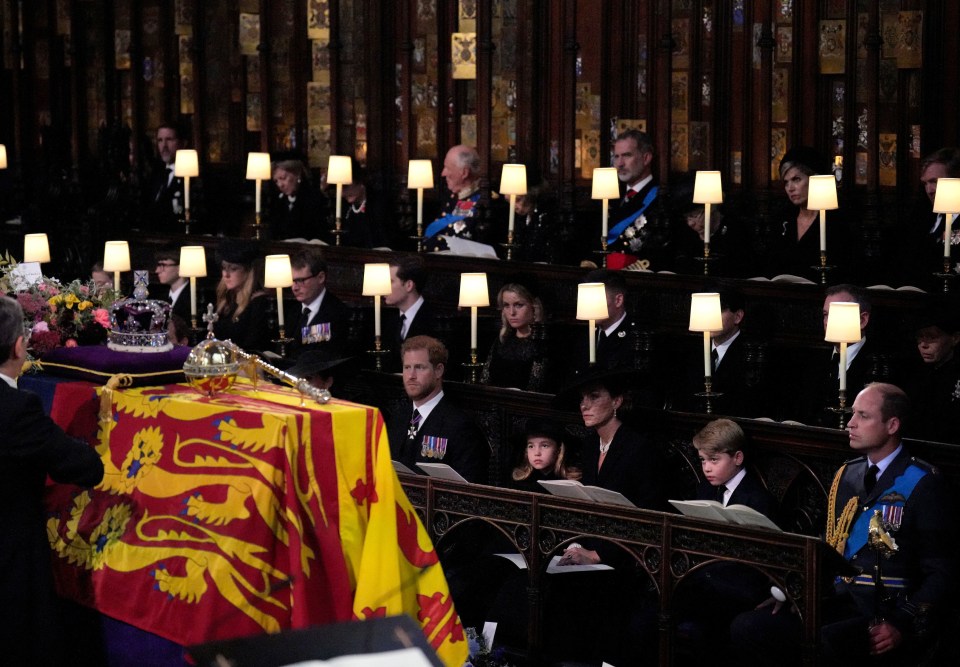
[[338, 229], [282, 341], [378, 351], [708, 394], [509, 245], [603, 252], [947, 276], [841, 410], [473, 366], [823, 269], [257, 226], [419, 237], [706, 259]]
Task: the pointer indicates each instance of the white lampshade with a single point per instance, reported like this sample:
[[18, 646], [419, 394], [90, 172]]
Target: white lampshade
[[339, 170], [277, 271], [592, 301], [606, 185], [193, 261], [376, 280], [705, 312], [513, 180], [947, 199], [116, 256], [186, 163], [258, 167], [473, 290], [3, 156], [843, 322], [822, 193], [420, 174], [36, 248], [707, 188]]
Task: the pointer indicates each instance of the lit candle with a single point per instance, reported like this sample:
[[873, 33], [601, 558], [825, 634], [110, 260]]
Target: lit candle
[[340, 200], [606, 213], [186, 192], [706, 222], [419, 206], [280, 306], [593, 334], [193, 296], [513, 204], [707, 366], [376, 314], [257, 190], [823, 230]]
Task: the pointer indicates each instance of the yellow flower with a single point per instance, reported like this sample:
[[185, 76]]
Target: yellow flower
[[71, 300], [55, 300], [84, 305]]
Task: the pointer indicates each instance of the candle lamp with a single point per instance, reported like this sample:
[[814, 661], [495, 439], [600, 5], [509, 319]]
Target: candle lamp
[[339, 173], [606, 186], [36, 248], [705, 317], [277, 273], [473, 294], [513, 182], [419, 176], [707, 190], [947, 201], [116, 258], [376, 283], [843, 327], [258, 170], [592, 306], [193, 265], [822, 196], [186, 166]]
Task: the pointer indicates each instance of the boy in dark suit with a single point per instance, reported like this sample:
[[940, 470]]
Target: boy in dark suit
[[710, 598]]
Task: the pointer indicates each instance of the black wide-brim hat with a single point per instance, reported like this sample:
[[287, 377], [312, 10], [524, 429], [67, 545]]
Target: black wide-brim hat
[[616, 380], [315, 362], [809, 157], [238, 251], [544, 428]]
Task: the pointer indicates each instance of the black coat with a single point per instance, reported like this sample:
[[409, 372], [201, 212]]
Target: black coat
[[632, 467], [305, 219], [467, 450], [423, 324], [797, 257], [249, 330], [33, 447], [750, 492], [332, 311]]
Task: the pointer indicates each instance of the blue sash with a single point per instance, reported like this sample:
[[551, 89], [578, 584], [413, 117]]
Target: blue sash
[[902, 485], [614, 232], [441, 223]]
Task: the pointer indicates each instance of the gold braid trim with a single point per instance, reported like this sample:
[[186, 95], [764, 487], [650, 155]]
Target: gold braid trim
[[117, 381], [838, 530]]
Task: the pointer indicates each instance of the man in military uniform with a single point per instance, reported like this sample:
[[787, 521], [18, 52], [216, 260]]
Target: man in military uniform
[[459, 217], [887, 496]]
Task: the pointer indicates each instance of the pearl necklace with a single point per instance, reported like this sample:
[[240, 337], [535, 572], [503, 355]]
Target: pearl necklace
[[605, 446]]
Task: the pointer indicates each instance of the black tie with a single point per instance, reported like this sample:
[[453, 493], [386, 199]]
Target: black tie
[[403, 319], [721, 490], [304, 319], [167, 172], [715, 358], [870, 478]]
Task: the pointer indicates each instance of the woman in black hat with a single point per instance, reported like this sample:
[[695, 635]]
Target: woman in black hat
[[544, 457], [517, 358], [796, 248], [242, 303]]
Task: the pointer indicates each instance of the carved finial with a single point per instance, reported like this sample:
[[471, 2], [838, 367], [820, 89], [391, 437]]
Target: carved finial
[[210, 317]]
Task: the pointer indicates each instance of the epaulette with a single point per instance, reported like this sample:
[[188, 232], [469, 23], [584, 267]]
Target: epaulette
[[929, 467]]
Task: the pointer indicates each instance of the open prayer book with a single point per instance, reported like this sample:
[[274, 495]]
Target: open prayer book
[[442, 471], [554, 567], [714, 511], [570, 488]]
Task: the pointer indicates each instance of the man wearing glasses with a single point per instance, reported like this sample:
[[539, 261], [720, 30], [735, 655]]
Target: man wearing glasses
[[321, 320], [172, 290]]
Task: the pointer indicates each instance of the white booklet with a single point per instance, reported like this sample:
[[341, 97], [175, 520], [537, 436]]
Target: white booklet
[[711, 510], [442, 471], [554, 567], [399, 467], [571, 488]]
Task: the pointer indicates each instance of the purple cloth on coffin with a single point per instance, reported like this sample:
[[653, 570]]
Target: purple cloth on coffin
[[96, 363]]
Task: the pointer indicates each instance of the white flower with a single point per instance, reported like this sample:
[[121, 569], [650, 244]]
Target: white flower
[[640, 222], [629, 232]]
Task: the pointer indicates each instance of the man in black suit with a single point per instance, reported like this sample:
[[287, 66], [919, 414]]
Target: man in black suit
[[413, 316], [321, 320], [431, 429], [163, 195], [33, 447], [173, 288], [891, 494], [617, 333], [639, 226]]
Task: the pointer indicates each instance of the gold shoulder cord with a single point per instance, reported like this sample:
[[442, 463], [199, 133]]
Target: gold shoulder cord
[[838, 530]]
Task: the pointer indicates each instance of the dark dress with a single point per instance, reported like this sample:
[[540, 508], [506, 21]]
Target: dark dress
[[797, 257], [520, 363], [362, 226], [249, 330], [33, 447], [632, 466], [934, 393], [304, 218]]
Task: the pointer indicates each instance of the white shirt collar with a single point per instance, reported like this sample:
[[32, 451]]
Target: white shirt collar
[[641, 184], [9, 380], [314, 305], [410, 313], [852, 350], [613, 327], [175, 292], [724, 346], [885, 462], [732, 485], [426, 408]]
